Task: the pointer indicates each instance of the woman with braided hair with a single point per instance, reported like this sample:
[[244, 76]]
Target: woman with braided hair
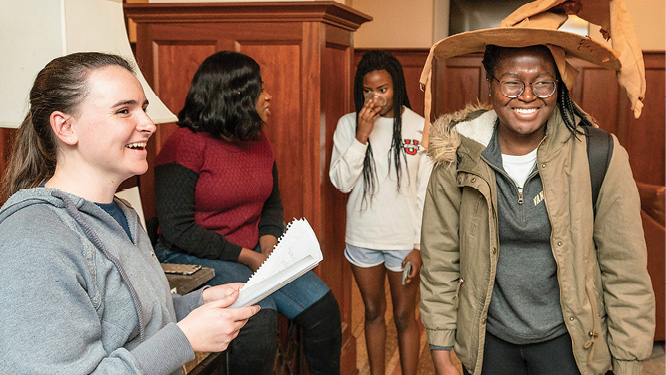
[[520, 275], [570, 111], [378, 160]]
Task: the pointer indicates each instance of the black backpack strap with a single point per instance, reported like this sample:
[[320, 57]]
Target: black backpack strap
[[599, 152]]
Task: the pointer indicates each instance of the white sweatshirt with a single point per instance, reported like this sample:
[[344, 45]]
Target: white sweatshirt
[[391, 219]]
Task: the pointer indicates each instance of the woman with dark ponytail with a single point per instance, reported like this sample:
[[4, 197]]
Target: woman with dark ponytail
[[378, 160], [83, 292]]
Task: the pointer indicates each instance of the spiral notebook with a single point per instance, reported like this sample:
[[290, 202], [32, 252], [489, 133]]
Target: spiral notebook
[[296, 253]]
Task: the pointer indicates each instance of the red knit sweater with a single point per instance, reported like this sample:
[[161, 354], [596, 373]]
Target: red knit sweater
[[233, 183]]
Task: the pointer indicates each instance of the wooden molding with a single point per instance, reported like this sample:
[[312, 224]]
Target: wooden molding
[[328, 12]]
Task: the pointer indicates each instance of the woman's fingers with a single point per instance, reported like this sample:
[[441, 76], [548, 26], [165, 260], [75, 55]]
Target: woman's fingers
[[237, 314], [211, 327], [370, 108]]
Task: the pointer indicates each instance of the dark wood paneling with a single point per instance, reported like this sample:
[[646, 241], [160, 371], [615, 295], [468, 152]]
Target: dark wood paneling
[[179, 61], [463, 86], [336, 63], [175, 62], [6, 138], [599, 96], [276, 61], [645, 136], [304, 50], [457, 83], [412, 65], [412, 61]]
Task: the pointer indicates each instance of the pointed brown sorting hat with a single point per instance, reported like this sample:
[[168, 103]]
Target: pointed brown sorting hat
[[537, 23]]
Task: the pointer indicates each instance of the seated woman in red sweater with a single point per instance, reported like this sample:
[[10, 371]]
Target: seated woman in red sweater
[[218, 205]]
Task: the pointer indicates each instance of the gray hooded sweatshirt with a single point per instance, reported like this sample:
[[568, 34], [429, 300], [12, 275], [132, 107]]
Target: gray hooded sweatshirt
[[79, 296]]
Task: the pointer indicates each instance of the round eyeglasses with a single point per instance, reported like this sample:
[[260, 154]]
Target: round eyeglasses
[[514, 89]]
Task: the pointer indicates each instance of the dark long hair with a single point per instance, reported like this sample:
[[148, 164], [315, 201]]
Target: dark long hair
[[565, 104], [61, 86], [222, 97], [380, 60]]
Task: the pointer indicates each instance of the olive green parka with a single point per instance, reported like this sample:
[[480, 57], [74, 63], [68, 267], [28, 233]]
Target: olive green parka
[[605, 292]]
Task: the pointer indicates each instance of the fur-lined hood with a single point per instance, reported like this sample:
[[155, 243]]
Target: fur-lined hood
[[475, 121]]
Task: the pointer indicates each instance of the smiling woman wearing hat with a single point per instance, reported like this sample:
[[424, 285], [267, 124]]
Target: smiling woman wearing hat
[[523, 271]]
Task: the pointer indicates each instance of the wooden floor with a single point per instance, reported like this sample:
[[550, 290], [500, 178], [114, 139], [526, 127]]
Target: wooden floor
[[392, 356], [654, 366]]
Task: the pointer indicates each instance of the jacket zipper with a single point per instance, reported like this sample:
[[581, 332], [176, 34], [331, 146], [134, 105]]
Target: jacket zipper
[[491, 212], [521, 199], [559, 280]]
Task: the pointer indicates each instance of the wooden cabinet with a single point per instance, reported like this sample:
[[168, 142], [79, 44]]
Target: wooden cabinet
[[305, 50]]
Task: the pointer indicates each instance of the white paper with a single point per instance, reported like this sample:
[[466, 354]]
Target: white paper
[[296, 253]]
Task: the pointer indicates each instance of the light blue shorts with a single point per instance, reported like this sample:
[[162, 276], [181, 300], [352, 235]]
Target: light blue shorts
[[366, 258]]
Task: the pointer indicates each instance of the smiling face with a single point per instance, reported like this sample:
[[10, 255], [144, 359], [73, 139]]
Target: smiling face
[[523, 119], [111, 125], [379, 83]]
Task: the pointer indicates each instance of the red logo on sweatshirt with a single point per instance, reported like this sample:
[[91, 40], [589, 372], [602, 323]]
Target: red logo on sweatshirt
[[411, 146]]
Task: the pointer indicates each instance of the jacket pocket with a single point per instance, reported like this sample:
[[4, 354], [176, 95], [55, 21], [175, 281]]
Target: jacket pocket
[[598, 356], [460, 283], [470, 209]]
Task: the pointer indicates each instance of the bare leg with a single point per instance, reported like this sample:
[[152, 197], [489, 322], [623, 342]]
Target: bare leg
[[371, 284], [404, 304]]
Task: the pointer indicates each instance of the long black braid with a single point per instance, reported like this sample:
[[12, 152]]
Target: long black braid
[[566, 105], [380, 60], [568, 109]]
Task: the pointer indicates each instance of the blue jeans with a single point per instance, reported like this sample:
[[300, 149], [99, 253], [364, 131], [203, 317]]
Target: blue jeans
[[290, 300]]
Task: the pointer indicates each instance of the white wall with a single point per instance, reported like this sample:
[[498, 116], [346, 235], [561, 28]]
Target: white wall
[[221, 1], [649, 18], [395, 24]]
